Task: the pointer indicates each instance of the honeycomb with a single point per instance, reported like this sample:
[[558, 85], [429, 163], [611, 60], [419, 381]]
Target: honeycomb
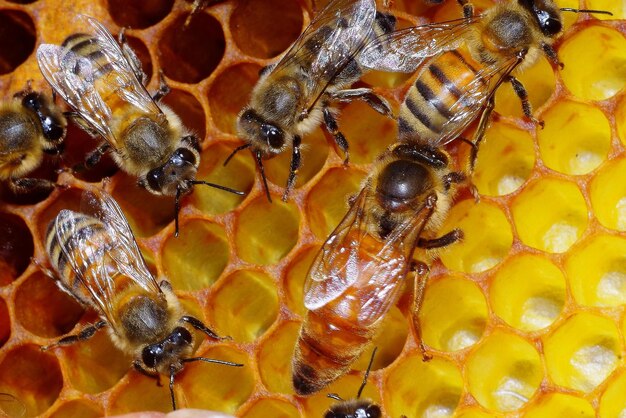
[[525, 317]]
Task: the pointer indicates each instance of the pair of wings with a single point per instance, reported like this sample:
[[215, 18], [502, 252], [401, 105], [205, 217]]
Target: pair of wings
[[340, 263], [79, 79], [406, 50], [97, 258]]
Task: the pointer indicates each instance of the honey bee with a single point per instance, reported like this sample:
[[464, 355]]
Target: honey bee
[[95, 259], [463, 62], [104, 83], [31, 125], [359, 272], [297, 94], [11, 407]]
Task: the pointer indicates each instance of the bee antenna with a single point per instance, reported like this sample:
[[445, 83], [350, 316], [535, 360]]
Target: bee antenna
[[235, 151], [172, 374], [259, 162], [601, 12], [210, 360], [217, 186], [176, 209], [367, 374]]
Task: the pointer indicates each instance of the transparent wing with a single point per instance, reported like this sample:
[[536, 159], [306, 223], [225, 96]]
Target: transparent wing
[[325, 47], [11, 407], [405, 49]]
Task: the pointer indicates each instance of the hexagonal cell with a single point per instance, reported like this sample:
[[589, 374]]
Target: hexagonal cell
[[404, 395], [16, 247], [540, 82], [593, 59], [314, 153], [5, 322], [274, 357], [142, 52], [505, 160], [608, 197], [197, 257], [140, 393], [346, 387], [582, 352], [576, 138], [77, 408], [238, 174], [189, 109], [327, 202], [488, 237], [550, 214], [295, 276], [43, 309], [271, 407], [265, 232], [139, 15], [180, 56], [613, 402], [31, 376], [560, 405], [17, 39], [528, 292], [230, 92], [229, 386], [504, 372], [368, 132], [244, 305], [597, 271], [96, 364], [452, 329], [254, 29]]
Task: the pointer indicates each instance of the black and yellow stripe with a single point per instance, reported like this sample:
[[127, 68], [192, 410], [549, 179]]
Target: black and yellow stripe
[[88, 47]]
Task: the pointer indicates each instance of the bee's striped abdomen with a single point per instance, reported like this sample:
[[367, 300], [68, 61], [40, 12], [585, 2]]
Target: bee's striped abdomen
[[430, 101], [87, 46]]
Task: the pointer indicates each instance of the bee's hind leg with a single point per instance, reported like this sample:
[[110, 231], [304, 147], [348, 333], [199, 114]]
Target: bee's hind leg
[[377, 102], [163, 90], [521, 92], [421, 272], [331, 126], [83, 335]]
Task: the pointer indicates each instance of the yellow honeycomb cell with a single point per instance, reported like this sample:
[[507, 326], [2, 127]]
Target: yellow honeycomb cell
[[608, 197], [274, 370], [528, 292], [504, 372], [552, 227], [576, 138], [612, 402], [270, 407], [582, 352], [295, 277], [560, 405], [77, 409], [476, 412], [487, 240]]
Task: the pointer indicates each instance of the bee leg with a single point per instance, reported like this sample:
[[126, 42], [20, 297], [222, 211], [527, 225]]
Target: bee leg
[[199, 325], [421, 271], [84, 334], [468, 8], [163, 90], [443, 241], [137, 365], [92, 159], [331, 126], [551, 54], [130, 55], [520, 90], [377, 102], [31, 185], [295, 165]]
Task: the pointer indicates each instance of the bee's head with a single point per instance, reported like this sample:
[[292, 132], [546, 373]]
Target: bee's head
[[352, 409], [547, 16], [166, 356], [175, 176], [262, 135], [53, 123]]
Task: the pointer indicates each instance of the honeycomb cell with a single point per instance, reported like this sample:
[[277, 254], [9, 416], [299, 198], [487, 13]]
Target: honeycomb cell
[[95, 365], [5, 322], [314, 153], [594, 61], [560, 405], [274, 357], [239, 174], [271, 407], [10, 406], [142, 52], [254, 29], [140, 393], [540, 82], [488, 237], [608, 197], [576, 138], [613, 402], [295, 277], [44, 309], [582, 352], [265, 232], [528, 292], [16, 247], [504, 372], [597, 271], [550, 214], [17, 39], [618, 9], [179, 54], [452, 329], [368, 132], [327, 202], [77, 409], [139, 15], [423, 389], [229, 93], [197, 257], [216, 386], [505, 160], [78, 145], [244, 305], [189, 109], [31, 376]]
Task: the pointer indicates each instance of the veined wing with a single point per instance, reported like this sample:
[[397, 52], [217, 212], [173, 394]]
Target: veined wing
[[11, 407], [405, 49]]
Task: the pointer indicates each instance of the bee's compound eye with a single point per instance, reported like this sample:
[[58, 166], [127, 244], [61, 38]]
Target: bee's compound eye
[[373, 411], [549, 23], [154, 179], [150, 355], [183, 156], [273, 135], [330, 414], [31, 101]]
